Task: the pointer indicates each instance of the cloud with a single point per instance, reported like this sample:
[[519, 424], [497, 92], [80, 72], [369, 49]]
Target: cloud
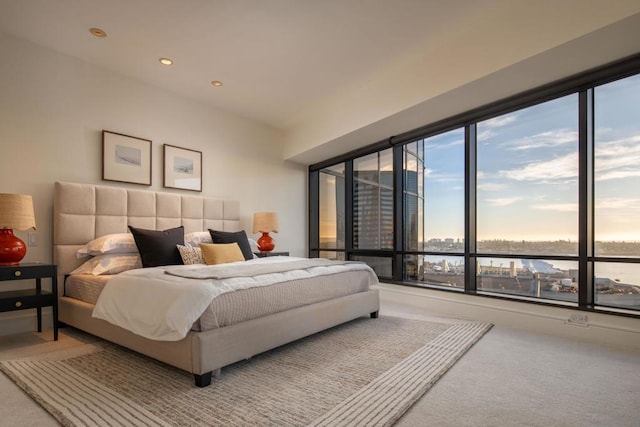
[[560, 168], [498, 122], [503, 201], [552, 138], [617, 203], [491, 186], [617, 159], [559, 207]]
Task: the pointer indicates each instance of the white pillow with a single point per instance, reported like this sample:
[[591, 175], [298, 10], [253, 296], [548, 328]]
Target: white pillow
[[109, 264], [190, 255], [118, 243], [194, 239], [254, 246]]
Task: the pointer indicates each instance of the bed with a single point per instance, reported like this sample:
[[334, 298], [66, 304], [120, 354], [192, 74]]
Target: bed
[[84, 212]]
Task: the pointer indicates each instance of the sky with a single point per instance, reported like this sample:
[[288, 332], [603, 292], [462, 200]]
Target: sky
[[527, 171]]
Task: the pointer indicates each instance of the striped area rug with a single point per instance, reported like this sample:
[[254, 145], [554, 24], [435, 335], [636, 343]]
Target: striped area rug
[[367, 372]]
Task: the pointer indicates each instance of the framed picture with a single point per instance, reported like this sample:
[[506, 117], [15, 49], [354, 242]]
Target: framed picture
[[126, 158], [182, 168]]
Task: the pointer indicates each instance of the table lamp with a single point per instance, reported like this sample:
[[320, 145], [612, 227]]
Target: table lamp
[[264, 222], [16, 211]]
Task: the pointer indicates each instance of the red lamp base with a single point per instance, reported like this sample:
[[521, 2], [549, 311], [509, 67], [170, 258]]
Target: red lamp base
[[265, 243], [12, 249]]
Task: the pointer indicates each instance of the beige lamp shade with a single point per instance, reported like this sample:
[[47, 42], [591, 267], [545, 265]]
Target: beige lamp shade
[[265, 222], [16, 211]]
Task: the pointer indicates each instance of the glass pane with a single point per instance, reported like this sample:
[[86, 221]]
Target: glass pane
[[411, 239], [381, 265], [446, 271], [366, 216], [444, 191], [366, 168], [527, 175], [618, 285], [386, 168], [332, 255], [537, 278], [617, 168], [373, 201], [332, 210]]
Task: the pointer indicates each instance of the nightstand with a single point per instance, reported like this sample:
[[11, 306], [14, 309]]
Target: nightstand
[[31, 298], [266, 254]]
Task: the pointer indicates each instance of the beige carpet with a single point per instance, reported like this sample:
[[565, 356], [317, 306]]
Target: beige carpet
[[366, 372]]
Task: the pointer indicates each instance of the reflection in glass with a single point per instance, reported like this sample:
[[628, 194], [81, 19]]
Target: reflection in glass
[[373, 201], [332, 207], [617, 168], [332, 255], [435, 270], [536, 278], [527, 180], [381, 265], [617, 284]]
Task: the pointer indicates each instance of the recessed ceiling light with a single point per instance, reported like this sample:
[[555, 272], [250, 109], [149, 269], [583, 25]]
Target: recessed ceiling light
[[166, 61], [216, 83], [98, 32]]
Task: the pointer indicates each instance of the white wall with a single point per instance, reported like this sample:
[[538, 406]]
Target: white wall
[[53, 108], [489, 54]]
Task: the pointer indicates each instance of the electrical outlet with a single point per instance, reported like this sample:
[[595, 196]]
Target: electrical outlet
[[578, 319]]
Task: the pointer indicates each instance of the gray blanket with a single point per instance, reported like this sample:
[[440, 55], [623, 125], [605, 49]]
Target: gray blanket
[[224, 271]]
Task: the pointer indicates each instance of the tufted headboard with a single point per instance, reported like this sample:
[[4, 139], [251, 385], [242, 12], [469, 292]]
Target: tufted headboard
[[82, 212]]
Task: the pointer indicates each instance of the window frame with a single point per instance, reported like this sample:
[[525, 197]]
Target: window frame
[[583, 84]]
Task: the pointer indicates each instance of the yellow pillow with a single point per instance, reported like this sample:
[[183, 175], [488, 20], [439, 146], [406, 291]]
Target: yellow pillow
[[220, 253]]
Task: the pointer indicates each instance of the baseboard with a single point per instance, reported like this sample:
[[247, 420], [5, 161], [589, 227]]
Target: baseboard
[[599, 328], [20, 321]]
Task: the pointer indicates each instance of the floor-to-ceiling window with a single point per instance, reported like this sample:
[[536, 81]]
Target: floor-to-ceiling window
[[535, 198], [617, 193], [434, 210], [527, 201]]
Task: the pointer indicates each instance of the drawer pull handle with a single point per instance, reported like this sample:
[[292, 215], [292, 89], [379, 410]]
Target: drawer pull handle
[[17, 273], [18, 304]]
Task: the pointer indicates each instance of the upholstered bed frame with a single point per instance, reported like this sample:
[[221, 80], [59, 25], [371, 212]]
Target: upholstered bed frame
[[83, 212]]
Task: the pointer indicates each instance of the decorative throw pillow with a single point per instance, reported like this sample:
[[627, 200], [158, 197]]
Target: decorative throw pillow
[[109, 264], [221, 253], [239, 237], [195, 238], [158, 247], [118, 243], [190, 255]]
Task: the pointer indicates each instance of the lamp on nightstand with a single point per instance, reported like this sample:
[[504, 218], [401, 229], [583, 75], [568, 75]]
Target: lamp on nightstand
[[16, 211], [264, 222]]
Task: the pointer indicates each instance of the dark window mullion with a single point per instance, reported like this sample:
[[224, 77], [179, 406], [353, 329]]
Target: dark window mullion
[[314, 213], [586, 198], [398, 213], [349, 201], [470, 159]]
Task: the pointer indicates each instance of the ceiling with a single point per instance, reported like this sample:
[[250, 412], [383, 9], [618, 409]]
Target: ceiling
[[334, 75], [274, 57]]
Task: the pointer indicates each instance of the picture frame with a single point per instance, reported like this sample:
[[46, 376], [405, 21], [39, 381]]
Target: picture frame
[[126, 158], [182, 168]]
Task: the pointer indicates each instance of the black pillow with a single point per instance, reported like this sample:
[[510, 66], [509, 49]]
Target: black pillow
[[158, 247], [239, 237]]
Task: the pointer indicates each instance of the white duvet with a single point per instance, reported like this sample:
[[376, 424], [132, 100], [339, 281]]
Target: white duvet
[[164, 307]]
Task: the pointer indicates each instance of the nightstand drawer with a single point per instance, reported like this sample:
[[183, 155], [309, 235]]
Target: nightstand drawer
[[20, 300], [27, 271]]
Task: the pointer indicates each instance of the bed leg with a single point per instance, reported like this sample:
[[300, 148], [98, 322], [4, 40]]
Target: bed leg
[[374, 315], [203, 380]]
